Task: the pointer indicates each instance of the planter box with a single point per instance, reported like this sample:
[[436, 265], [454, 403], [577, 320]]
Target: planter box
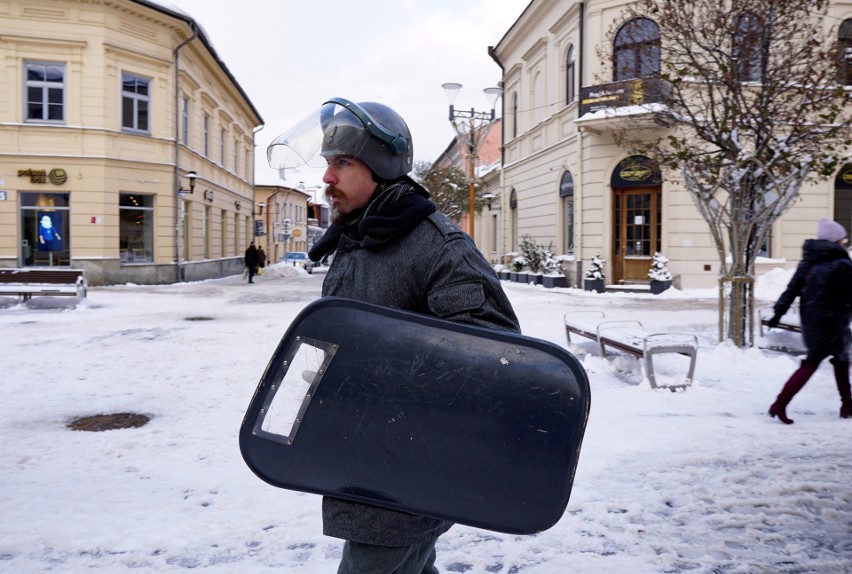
[[534, 278], [505, 275], [593, 285], [519, 276], [658, 287], [550, 282]]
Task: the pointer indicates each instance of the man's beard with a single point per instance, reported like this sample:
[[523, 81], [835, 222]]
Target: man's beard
[[334, 215]]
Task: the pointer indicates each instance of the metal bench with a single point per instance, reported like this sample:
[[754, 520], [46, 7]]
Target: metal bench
[[43, 281], [628, 336]]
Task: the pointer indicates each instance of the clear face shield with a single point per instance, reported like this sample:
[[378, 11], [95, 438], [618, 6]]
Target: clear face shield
[[330, 131]]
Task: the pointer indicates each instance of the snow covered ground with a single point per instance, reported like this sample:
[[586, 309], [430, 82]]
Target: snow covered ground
[[699, 481]]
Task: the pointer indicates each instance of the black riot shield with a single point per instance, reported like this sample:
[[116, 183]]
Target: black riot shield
[[421, 415]]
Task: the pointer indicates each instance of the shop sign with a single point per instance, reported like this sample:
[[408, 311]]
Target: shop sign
[[620, 94], [56, 176], [636, 171]]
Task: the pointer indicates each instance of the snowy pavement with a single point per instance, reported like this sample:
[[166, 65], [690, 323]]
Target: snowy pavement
[[698, 481]]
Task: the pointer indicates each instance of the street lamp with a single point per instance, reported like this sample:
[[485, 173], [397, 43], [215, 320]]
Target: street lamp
[[191, 176], [471, 128]]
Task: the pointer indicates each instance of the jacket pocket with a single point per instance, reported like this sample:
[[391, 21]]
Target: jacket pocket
[[457, 298]]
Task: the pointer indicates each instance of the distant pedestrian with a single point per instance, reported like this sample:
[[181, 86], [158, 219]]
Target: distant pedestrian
[[251, 260], [261, 257], [823, 283]]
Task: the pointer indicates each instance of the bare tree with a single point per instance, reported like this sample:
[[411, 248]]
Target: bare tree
[[449, 188], [752, 107]]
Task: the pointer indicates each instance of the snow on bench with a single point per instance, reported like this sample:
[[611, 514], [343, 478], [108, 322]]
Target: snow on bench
[[630, 337], [39, 281]]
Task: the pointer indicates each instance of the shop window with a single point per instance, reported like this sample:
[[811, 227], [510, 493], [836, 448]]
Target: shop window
[[45, 85], [136, 228], [135, 103], [45, 229], [566, 194]]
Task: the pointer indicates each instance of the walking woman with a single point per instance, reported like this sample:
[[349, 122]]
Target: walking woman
[[823, 283]]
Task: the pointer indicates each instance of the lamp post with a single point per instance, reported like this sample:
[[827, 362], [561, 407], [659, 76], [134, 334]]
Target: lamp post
[[470, 128]]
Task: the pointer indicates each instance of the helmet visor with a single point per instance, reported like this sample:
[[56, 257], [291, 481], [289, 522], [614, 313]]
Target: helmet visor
[[330, 131]]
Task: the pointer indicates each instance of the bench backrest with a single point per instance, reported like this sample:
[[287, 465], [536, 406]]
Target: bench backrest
[[56, 276]]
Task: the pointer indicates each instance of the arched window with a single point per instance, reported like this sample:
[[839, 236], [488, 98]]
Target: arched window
[[515, 114], [570, 85], [537, 98], [566, 195], [637, 50], [844, 53], [749, 47]]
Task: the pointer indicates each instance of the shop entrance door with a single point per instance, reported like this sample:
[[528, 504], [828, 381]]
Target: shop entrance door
[[636, 233]]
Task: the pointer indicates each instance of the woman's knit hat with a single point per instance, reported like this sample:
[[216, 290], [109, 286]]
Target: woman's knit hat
[[830, 230]]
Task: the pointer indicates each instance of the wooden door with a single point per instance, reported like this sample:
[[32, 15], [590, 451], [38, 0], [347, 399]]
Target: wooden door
[[636, 233]]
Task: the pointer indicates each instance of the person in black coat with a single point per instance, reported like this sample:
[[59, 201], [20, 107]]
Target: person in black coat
[[823, 283], [251, 260]]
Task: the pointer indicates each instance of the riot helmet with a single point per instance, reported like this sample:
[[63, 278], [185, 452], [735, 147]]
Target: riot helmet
[[369, 131]]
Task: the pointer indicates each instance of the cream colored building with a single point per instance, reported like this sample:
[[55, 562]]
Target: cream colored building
[[106, 110], [283, 213], [565, 181]]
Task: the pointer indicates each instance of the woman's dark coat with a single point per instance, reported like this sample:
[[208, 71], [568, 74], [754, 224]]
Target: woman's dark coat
[[823, 283]]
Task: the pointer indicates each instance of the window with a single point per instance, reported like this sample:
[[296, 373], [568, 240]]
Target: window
[[222, 151], [843, 196], [45, 229], [185, 118], [135, 103], [136, 228], [566, 194], [637, 50], [513, 206], [206, 231], [570, 85], [749, 47], [45, 86], [206, 135], [844, 53], [515, 115]]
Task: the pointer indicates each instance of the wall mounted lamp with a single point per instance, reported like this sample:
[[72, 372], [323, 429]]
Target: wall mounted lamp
[[238, 205], [191, 176]]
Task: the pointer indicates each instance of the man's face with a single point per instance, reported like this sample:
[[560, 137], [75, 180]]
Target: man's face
[[350, 184]]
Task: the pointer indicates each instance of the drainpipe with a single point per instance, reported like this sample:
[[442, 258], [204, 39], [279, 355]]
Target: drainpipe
[[580, 188], [493, 53], [177, 185]]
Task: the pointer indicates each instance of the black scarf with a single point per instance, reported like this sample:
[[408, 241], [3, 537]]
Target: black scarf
[[395, 209]]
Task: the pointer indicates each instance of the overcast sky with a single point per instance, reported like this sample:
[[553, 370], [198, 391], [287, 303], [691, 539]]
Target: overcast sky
[[290, 56]]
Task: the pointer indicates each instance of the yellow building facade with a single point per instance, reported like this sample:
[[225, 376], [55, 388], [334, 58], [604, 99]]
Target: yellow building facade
[[281, 220], [126, 145]]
